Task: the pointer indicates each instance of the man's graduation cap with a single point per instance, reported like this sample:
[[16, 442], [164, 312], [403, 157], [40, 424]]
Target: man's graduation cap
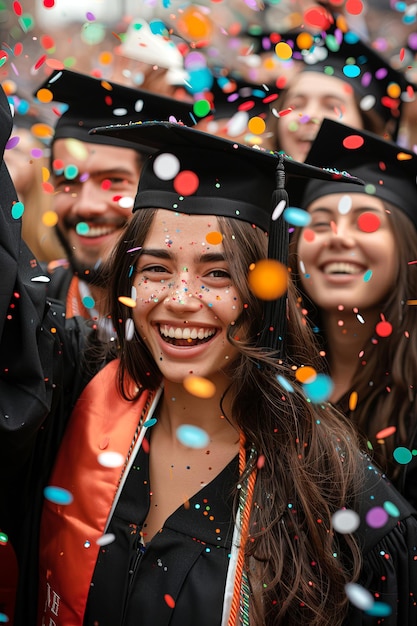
[[389, 171], [95, 102], [206, 175], [342, 53]]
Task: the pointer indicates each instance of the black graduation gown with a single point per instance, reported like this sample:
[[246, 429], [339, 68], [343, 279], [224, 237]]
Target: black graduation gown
[[179, 578]]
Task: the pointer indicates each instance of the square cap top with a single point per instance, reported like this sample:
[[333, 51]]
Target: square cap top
[[388, 170], [194, 172], [94, 102]]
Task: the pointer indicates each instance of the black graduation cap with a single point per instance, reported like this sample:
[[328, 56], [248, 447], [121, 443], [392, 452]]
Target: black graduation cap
[[342, 53], [227, 179], [95, 102], [388, 170]]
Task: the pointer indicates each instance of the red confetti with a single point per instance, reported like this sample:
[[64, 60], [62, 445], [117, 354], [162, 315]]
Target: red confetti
[[186, 183], [47, 42], [386, 432], [402, 53], [353, 142], [309, 235], [246, 106], [354, 7], [18, 49], [368, 222], [284, 112], [383, 329], [48, 4], [318, 16], [17, 8], [40, 62], [390, 103], [169, 600], [48, 188], [106, 184]]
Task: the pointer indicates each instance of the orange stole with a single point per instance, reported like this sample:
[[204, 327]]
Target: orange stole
[[101, 420]]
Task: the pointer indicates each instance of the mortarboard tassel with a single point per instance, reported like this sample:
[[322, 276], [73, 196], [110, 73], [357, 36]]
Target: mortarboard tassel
[[275, 311]]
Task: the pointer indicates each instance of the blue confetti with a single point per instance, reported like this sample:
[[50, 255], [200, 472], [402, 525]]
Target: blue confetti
[[192, 436], [58, 495]]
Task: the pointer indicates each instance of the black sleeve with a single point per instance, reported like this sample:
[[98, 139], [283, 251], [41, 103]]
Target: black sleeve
[[390, 575]]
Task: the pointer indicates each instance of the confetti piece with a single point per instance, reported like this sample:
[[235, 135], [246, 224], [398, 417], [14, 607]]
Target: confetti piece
[[353, 142], [353, 400], [345, 521], [129, 329], [268, 279], [391, 509], [386, 432], [367, 276], [256, 125], [106, 539], [201, 108], [199, 386], [277, 212], [169, 600], [402, 455], [383, 329], [305, 374], [58, 495], [379, 609], [17, 210], [354, 7], [186, 183], [192, 436], [88, 302], [127, 301], [283, 51], [50, 218], [166, 166], [111, 459], [368, 222], [320, 389], [3, 618], [214, 238], [284, 382], [40, 279], [297, 217], [359, 596], [376, 517], [345, 205], [150, 423], [3, 538], [82, 228]]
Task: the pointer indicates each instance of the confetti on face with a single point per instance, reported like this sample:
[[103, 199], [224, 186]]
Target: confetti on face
[[368, 222], [199, 386], [192, 436], [345, 521], [214, 238], [82, 228], [359, 596], [308, 235], [345, 205], [268, 279], [320, 389], [367, 276], [297, 217], [58, 495], [110, 459]]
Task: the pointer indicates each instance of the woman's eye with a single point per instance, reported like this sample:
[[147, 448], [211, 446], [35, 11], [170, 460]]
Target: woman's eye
[[318, 225], [219, 274]]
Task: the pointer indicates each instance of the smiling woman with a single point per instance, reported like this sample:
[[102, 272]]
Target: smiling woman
[[221, 507], [355, 263]]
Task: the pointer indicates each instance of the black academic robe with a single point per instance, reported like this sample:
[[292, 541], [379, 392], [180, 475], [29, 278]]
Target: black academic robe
[[178, 578]]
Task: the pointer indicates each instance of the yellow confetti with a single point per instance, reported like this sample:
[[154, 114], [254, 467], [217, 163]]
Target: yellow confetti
[[127, 301], [268, 279], [199, 386], [353, 400]]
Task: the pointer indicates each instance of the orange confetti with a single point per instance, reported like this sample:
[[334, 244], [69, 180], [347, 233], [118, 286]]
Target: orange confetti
[[214, 238], [386, 432], [353, 400], [127, 301], [50, 218], [268, 279], [199, 386], [169, 600], [306, 374], [257, 125]]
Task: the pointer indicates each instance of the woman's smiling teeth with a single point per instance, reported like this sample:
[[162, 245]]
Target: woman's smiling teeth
[[172, 334], [342, 268]]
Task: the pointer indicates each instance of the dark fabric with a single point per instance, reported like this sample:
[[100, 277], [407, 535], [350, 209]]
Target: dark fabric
[[187, 560]]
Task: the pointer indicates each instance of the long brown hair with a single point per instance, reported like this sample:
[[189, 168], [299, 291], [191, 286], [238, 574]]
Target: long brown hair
[[386, 375], [297, 565]]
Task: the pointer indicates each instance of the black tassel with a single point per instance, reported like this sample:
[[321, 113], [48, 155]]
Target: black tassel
[[275, 311]]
